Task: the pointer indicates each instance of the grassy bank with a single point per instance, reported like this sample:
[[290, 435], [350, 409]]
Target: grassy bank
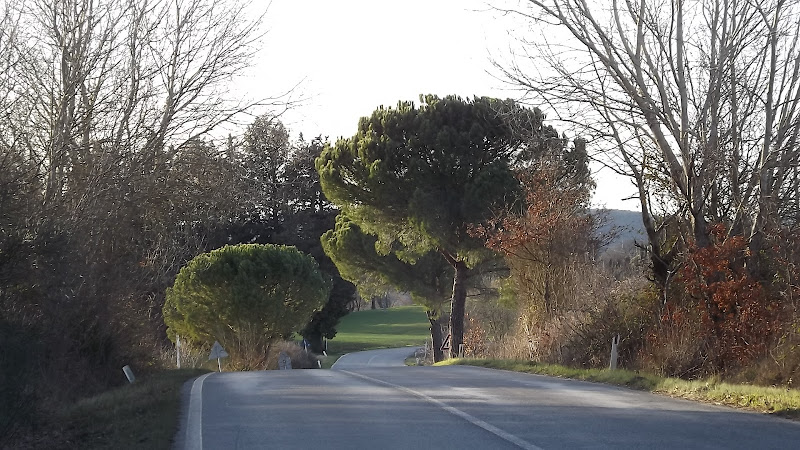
[[379, 328], [773, 400], [142, 415]]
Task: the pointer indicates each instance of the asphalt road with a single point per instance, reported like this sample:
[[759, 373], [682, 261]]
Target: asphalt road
[[370, 401]]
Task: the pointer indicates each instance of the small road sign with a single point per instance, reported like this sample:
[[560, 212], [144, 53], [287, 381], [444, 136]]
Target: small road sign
[[446, 343], [217, 351]]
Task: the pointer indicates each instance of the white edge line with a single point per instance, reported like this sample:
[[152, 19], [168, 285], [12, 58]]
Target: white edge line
[[455, 411], [194, 418], [338, 359]]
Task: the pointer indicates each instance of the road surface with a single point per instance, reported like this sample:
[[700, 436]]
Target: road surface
[[369, 400]]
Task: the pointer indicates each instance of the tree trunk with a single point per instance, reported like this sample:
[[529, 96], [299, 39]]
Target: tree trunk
[[660, 261], [757, 267], [700, 228], [437, 337], [266, 355], [315, 342], [457, 304]]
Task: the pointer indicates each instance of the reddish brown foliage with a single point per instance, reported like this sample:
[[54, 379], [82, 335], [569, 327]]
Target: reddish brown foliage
[[554, 211], [475, 338], [737, 315], [675, 345]]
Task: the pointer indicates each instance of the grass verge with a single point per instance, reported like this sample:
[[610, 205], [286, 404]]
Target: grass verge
[[772, 400], [142, 415], [378, 328]]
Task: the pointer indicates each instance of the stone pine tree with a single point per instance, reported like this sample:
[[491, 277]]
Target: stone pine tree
[[427, 277], [417, 177]]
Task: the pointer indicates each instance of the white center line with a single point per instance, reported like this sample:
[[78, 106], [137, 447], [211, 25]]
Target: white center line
[[455, 411]]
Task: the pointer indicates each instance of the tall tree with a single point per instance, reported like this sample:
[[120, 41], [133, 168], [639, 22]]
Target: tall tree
[[427, 278], [697, 103], [265, 153], [418, 176], [302, 179], [308, 215], [102, 104], [284, 204]]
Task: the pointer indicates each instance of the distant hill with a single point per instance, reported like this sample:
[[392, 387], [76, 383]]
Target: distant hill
[[627, 223], [627, 229]]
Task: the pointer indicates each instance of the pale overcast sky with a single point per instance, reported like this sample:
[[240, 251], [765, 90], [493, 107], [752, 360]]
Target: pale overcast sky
[[351, 56]]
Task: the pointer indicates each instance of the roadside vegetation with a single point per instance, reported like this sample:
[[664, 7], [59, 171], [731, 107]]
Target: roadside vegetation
[[111, 181], [772, 400], [142, 415], [247, 297], [519, 267]]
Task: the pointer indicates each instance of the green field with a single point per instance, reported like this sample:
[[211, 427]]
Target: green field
[[380, 328]]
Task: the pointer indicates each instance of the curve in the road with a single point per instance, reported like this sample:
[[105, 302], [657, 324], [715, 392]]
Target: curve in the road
[[194, 420], [367, 399], [387, 357]]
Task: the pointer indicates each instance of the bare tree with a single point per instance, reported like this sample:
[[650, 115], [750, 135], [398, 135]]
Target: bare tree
[[108, 183], [104, 107], [101, 80], [695, 100]]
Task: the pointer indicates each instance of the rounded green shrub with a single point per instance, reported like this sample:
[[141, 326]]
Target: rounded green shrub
[[244, 296]]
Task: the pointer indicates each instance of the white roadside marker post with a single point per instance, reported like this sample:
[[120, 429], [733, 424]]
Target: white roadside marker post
[[614, 352], [178, 350], [284, 361], [128, 374]]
